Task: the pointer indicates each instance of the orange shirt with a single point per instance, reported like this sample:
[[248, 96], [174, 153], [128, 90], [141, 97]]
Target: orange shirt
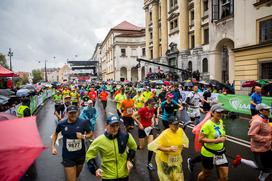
[[104, 96], [127, 107]]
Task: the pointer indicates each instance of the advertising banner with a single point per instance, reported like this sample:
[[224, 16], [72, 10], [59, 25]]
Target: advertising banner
[[33, 104]]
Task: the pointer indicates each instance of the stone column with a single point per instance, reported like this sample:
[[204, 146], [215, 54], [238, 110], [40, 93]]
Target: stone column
[[164, 27], [147, 33], [197, 23], [155, 22], [184, 25]]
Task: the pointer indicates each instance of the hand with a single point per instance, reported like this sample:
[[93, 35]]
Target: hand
[[129, 166], [220, 140], [173, 148], [54, 151], [141, 126], [80, 135], [98, 173], [181, 108]]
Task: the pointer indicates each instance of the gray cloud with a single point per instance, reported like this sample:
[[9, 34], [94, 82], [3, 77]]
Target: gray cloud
[[41, 29]]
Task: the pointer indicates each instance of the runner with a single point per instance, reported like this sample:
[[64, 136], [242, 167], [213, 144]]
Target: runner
[[112, 146], [89, 113], [213, 136], [74, 131], [168, 147], [119, 99], [138, 100], [74, 97], [93, 95], [193, 101], [255, 98], [167, 108], [127, 108], [144, 118], [104, 98]]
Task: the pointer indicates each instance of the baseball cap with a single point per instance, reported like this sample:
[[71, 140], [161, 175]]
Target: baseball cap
[[72, 108], [173, 120], [217, 108], [262, 106], [169, 95], [67, 96], [113, 119]]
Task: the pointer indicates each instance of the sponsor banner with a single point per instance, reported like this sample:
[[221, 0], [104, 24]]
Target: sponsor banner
[[240, 103], [33, 104]]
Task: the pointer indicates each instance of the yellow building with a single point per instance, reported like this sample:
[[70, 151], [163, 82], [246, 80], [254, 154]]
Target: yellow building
[[211, 36]]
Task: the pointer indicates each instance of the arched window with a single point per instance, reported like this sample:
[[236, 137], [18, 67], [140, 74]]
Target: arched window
[[205, 65], [190, 66]]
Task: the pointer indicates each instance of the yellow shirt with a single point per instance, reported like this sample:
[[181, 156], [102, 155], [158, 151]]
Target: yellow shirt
[[139, 101]]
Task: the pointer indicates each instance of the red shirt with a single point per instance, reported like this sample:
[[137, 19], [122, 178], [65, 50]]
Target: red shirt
[[92, 95], [104, 96], [146, 116]]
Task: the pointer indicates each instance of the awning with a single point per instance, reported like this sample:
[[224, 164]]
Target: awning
[[6, 72]]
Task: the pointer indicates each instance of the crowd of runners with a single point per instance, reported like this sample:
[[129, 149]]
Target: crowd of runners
[[147, 110]]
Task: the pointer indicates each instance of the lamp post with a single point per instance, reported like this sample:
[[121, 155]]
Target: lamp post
[[10, 54], [45, 71]]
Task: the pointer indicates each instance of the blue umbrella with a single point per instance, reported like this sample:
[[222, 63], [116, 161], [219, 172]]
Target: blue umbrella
[[22, 92]]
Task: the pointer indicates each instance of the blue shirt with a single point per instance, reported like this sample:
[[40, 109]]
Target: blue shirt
[[257, 98], [168, 109], [73, 148]]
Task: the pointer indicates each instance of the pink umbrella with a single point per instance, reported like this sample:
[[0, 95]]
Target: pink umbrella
[[20, 146], [6, 116]]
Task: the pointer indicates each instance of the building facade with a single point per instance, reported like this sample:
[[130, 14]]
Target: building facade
[[64, 73], [119, 51], [97, 57], [207, 34]]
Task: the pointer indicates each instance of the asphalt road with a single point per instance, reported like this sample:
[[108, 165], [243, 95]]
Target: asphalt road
[[49, 168]]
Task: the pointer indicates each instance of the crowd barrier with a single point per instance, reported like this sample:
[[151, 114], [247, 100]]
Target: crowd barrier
[[35, 102]]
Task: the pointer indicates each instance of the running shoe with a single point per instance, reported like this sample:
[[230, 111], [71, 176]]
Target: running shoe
[[237, 160], [150, 166], [190, 165]]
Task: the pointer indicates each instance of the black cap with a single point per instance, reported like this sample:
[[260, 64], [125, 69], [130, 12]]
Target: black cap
[[173, 120], [113, 119], [72, 108]]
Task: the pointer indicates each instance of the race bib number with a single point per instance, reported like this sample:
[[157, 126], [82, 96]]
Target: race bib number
[[129, 110], [73, 145], [220, 159], [174, 160]]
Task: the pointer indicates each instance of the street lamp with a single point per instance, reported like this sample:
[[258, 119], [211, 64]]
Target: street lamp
[[10, 54], [45, 70]]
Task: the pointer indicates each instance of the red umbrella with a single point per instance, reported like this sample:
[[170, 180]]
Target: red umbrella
[[250, 83], [20, 146], [6, 116], [6, 73], [166, 83]]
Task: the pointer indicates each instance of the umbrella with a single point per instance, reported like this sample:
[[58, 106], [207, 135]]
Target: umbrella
[[6, 73], [203, 82], [217, 84], [262, 82], [20, 146], [250, 83], [22, 92], [188, 84], [6, 116], [166, 83]]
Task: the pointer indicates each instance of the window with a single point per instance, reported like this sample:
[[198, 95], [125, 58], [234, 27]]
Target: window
[[266, 70], [265, 31], [192, 41], [192, 14], [173, 4], [133, 52], [143, 52], [150, 16], [123, 52], [206, 36], [205, 65], [151, 54], [174, 24], [205, 7], [221, 9], [151, 35]]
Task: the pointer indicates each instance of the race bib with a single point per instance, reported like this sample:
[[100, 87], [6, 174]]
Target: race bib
[[220, 159], [147, 130], [73, 145], [174, 160], [129, 110]]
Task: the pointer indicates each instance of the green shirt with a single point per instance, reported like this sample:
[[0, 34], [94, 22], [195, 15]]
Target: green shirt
[[113, 164], [212, 130], [119, 99]]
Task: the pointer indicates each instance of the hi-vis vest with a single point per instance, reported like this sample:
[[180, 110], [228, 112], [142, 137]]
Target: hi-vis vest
[[20, 111]]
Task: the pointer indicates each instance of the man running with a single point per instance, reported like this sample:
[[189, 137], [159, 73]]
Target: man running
[[119, 99], [127, 108], [74, 132], [104, 97], [193, 101]]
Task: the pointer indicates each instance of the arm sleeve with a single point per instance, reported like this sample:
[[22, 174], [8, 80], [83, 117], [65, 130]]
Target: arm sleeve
[[59, 128], [93, 150]]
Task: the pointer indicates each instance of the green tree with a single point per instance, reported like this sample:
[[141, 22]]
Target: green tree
[[37, 76], [25, 79], [3, 61]]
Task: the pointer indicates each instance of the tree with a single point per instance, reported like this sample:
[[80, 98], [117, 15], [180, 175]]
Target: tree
[[25, 79], [3, 61], [37, 76]]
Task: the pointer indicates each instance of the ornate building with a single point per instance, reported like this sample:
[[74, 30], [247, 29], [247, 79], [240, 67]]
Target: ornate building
[[206, 33], [119, 51]]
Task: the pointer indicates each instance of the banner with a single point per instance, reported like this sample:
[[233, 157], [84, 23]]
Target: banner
[[239, 103], [33, 104]]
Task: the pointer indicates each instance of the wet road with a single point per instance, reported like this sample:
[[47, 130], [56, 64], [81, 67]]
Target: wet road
[[49, 167]]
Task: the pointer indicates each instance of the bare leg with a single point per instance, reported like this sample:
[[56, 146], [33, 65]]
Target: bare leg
[[70, 173]]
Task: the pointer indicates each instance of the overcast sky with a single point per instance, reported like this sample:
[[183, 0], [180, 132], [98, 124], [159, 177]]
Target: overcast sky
[[36, 30]]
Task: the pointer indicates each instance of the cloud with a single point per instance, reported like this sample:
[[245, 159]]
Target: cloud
[[39, 30]]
